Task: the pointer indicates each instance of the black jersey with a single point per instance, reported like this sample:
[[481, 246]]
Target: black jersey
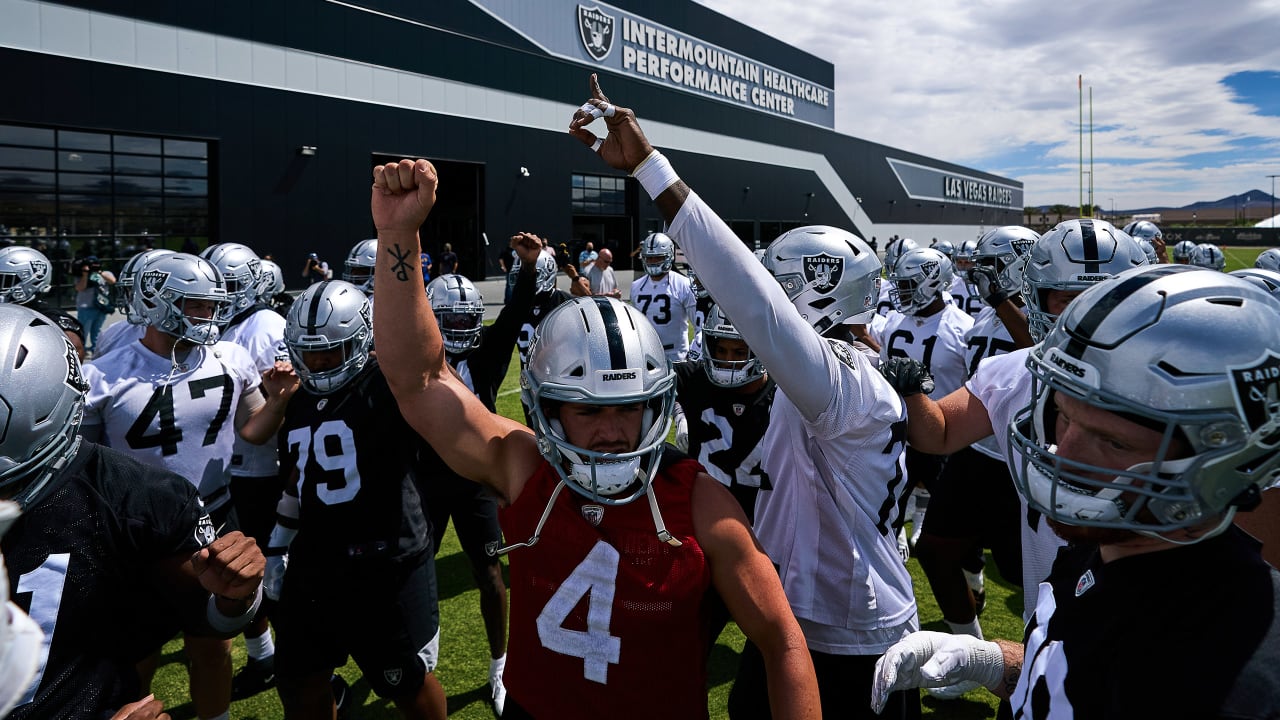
[[543, 304], [355, 456], [725, 427], [60, 317], [82, 562], [1191, 632]]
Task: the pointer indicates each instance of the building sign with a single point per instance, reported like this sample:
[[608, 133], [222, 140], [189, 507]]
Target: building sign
[[603, 36], [922, 182]]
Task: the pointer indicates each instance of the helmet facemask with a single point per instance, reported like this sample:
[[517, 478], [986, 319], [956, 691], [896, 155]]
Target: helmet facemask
[[717, 329], [359, 265], [459, 311], [329, 316]]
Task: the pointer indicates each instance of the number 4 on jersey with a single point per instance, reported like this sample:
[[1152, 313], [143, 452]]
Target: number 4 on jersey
[[594, 577]]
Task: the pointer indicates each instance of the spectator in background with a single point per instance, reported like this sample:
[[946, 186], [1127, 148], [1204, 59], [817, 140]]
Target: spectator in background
[[426, 267], [448, 260], [315, 270], [93, 299], [586, 257], [601, 278]]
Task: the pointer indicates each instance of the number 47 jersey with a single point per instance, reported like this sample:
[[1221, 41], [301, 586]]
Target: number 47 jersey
[[181, 418]]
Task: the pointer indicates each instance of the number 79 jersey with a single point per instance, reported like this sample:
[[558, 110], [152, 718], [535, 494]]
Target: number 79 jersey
[[179, 418]]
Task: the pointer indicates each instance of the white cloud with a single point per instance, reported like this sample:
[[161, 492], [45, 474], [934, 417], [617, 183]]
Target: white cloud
[[992, 84]]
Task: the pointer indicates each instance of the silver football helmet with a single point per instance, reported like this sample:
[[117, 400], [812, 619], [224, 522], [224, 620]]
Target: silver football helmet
[[124, 283], [599, 351], [658, 253], [42, 393], [272, 283], [1145, 230], [329, 315], [1149, 250], [1268, 280], [946, 247], [1005, 251], [1208, 255], [1268, 259], [241, 270], [1182, 251], [964, 255], [1131, 346], [831, 275], [897, 250], [699, 291], [25, 273], [459, 310], [546, 269], [918, 278], [726, 373], [1070, 258], [1128, 228], [357, 269], [165, 284]]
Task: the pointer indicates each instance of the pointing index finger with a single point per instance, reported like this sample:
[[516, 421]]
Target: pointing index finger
[[596, 92]]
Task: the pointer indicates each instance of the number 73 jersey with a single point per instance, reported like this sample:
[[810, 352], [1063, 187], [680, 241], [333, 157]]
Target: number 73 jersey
[[179, 418]]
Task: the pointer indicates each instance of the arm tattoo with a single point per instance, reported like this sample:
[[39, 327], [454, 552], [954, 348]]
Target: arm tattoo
[[401, 268]]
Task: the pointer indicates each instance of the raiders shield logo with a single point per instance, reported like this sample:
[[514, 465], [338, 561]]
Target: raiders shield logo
[[393, 676], [1257, 394], [39, 269], [929, 269], [150, 281], [75, 379], [823, 272], [593, 513], [595, 27], [205, 532]]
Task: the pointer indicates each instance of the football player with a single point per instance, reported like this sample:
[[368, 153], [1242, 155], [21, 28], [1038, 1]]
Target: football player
[[1268, 259], [1145, 231], [110, 554], [1139, 445], [173, 399], [703, 306], [272, 292], [351, 529], [1182, 251], [1208, 255], [833, 413], [122, 333], [357, 269], [608, 590], [665, 296], [25, 275]]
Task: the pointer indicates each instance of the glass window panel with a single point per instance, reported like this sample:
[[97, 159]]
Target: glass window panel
[[186, 168], [139, 145], [26, 158], [575, 181], [591, 195], [75, 224], [186, 148], [592, 181], [84, 161], [184, 186], [186, 205], [26, 204], [137, 225], [575, 194], [82, 183], [26, 180], [137, 164], [197, 225], [133, 185], [84, 204], [152, 205], [71, 140], [19, 135]]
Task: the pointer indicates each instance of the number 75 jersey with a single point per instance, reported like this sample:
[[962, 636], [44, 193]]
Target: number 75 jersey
[[179, 418]]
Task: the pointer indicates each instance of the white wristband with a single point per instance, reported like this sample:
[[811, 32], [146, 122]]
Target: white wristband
[[655, 174], [229, 624]]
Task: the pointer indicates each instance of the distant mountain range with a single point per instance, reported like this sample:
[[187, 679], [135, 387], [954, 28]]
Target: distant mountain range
[[1252, 198]]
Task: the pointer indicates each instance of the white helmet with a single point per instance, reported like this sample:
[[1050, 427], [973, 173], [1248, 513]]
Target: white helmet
[[20, 637], [599, 351], [459, 310], [1268, 280], [946, 247], [357, 269], [1149, 250], [25, 273], [1268, 259], [897, 250], [1182, 251], [42, 396], [1005, 251], [164, 284], [658, 253], [328, 315], [726, 373], [1132, 346], [1071, 257], [546, 269], [1208, 255], [1145, 230], [831, 276], [272, 283], [918, 279], [241, 271], [124, 283]]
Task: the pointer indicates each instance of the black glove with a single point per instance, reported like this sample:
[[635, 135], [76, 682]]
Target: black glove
[[908, 377], [988, 284]]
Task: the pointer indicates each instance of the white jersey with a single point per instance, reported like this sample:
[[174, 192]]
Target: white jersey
[[179, 418], [936, 341], [987, 338], [971, 304], [835, 436], [262, 334], [117, 334], [1003, 385], [670, 305], [884, 304]]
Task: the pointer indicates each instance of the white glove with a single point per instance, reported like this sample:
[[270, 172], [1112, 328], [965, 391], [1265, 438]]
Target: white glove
[[273, 578], [682, 434], [935, 659]]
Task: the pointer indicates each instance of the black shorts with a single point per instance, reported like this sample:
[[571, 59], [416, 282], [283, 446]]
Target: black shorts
[[975, 498], [255, 500], [473, 509], [384, 615], [923, 469]]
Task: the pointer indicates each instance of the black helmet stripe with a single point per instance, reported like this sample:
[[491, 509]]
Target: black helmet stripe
[[613, 333], [313, 312], [1090, 239], [1103, 306]]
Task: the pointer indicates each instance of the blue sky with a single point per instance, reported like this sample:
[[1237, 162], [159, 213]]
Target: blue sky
[[1186, 94]]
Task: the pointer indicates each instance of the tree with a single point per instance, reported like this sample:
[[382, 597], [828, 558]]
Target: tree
[[1030, 211], [1059, 210]]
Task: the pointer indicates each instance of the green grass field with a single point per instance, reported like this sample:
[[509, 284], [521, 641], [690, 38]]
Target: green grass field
[[464, 660]]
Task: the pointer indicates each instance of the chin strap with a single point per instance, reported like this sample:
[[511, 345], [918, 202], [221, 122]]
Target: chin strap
[[1222, 525], [663, 535], [494, 549]]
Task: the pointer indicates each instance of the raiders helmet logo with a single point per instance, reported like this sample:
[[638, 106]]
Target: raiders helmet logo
[[39, 269], [929, 269], [205, 533], [595, 27], [150, 281], [1257, 395], [594, 514], [75, 379], [255, 267], [823, 272], [392, 676]]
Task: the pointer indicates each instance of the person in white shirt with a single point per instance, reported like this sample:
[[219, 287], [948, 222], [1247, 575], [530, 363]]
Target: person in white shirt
[[665, 296], [835, 436]]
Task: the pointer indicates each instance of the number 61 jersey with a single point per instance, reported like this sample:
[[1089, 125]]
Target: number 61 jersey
[[179, 417]]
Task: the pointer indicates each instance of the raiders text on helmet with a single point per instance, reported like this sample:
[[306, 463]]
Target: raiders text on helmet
[[124, 283], [830, 275]]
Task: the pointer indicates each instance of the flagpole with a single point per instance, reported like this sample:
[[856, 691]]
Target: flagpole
[[1090, 151], [1080, 91]]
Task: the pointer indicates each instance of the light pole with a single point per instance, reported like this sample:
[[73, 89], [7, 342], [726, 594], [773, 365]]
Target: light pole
[[1273, 196]]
